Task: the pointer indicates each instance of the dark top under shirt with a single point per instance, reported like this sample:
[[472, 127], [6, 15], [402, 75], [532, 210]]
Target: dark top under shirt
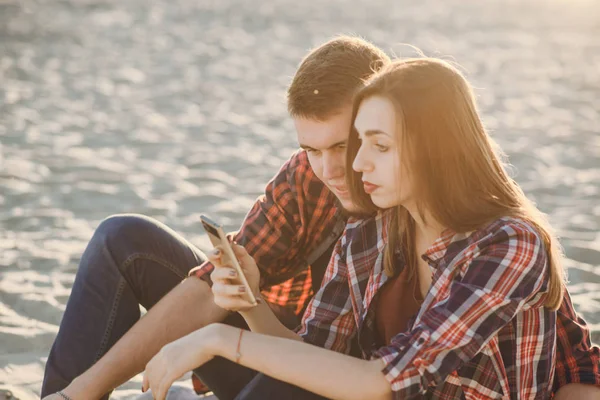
[[398, 302]]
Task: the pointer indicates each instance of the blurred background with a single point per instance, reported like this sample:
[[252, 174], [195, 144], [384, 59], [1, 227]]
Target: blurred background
[[174, 108]]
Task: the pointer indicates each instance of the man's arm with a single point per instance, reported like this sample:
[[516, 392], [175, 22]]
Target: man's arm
[[578, 391], [186, 308]]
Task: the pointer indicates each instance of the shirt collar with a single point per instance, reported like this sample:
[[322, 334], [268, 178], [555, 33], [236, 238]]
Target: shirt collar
[[438, 249]]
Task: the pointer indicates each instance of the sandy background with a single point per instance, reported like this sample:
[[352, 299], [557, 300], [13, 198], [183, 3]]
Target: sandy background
[[173, 108]]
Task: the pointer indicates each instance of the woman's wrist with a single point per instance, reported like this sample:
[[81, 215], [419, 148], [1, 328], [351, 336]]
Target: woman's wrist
[[77, 388], [256, 310], [220, 340], [210, 338]]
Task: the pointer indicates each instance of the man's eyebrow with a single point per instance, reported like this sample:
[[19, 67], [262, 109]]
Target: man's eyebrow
[[305, 147], [340, 143]]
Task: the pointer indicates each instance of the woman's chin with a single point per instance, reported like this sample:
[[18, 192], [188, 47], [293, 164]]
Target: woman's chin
[[382, 203]]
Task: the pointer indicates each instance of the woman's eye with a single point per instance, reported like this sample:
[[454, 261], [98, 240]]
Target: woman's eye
[[381, 148]]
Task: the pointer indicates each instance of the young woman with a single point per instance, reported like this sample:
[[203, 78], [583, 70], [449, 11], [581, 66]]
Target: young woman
[[456, 243]]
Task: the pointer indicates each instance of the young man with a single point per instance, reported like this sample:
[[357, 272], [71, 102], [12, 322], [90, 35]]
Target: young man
[[290, 231]]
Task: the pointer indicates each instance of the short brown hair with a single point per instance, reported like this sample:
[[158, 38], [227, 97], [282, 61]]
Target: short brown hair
[[330, 74]]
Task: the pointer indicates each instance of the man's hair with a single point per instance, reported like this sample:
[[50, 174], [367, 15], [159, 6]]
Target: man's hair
[[329, 76]]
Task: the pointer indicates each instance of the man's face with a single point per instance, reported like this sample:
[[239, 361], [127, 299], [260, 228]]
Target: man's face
[[325, 143]]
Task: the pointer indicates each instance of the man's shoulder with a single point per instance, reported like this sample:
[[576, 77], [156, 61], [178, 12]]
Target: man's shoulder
[[298, 161], [296, 169]]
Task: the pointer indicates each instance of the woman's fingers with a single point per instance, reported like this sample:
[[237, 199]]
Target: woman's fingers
[[145, 382], [232, 303], [229, 297], [214, 256], [162, 389], [242, 255], [223, 274], [227, 290]]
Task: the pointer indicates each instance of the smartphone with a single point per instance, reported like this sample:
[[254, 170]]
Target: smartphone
[[218, 238]]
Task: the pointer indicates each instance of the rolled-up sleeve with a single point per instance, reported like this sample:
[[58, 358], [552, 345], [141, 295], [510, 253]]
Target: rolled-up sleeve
[[577, 358]]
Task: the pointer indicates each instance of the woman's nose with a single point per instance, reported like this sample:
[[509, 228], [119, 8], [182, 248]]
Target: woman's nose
[[360, 163]]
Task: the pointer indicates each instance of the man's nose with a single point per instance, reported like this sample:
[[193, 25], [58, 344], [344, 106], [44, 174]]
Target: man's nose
[[333, 165]]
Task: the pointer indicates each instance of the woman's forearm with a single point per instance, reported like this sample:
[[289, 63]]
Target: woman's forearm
[[261, 319], [318, 370]]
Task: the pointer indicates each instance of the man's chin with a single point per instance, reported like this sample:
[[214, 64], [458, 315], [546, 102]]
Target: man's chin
[[349, 209]]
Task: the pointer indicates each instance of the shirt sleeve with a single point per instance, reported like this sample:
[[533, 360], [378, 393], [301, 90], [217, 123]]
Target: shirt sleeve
[[328, 321], [275, 230], [506, 273], [577, 359]]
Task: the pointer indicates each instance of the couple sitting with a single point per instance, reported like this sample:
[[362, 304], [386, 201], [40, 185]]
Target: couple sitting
[[442, 279]]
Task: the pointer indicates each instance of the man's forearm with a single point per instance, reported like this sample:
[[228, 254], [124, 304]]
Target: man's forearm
[[188, 307]]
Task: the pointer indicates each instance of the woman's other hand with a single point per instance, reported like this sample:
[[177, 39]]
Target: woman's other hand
[[179, 357]]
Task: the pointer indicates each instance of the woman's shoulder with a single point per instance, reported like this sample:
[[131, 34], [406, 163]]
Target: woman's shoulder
[[369, 230], [506, 229]]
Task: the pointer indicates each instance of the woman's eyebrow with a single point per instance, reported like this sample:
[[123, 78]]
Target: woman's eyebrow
[[373, 132]]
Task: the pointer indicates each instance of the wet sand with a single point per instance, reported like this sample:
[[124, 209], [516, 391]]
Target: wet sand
[[175, 108]]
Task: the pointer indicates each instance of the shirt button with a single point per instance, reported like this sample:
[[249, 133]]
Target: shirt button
[[421, 341]]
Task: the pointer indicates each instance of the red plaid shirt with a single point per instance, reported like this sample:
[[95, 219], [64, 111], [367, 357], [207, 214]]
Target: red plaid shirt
[[288, 228], [296, 220], [482, 332]]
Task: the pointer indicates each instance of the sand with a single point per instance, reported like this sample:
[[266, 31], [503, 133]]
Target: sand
[[174, 108]]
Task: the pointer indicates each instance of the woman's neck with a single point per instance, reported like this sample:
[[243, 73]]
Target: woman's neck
[[427, 229]]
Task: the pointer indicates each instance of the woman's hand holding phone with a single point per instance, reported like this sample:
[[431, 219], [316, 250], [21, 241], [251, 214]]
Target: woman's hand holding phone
[[227, 289]]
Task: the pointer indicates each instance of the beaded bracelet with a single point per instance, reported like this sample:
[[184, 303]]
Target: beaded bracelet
[[64, 396], [238, 355]]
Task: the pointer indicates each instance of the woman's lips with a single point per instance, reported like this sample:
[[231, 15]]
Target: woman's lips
[[369, 187]]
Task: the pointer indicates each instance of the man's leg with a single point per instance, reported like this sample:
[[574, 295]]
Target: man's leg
[[130, 260], [265, 387]]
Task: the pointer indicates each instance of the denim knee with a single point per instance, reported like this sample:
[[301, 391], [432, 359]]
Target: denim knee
[[118, 237], [124, 226]]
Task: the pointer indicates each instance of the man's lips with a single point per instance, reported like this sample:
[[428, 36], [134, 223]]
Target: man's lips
[[369, 187], [340, 189]]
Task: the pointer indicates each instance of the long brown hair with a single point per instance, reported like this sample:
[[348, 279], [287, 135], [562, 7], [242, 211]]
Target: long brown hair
[[458, 174]]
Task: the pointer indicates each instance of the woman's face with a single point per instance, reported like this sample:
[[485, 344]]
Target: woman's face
[[384, 175]]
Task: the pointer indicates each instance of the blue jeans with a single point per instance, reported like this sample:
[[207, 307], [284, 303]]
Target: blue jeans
[[130, 260], [133, 260]]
